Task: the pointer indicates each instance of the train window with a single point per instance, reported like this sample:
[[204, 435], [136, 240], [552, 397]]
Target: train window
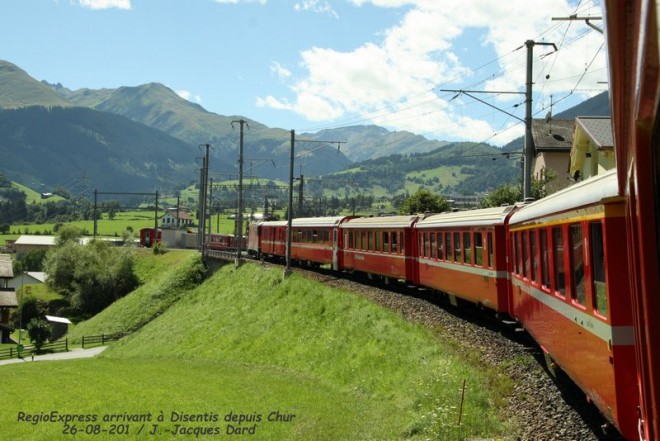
[[377, 241], [395, 246], [432, 245], [402, 243], [524, 254], [514, 253], [422, 240], [440, 253], [457, 247], [448, 248], [370, 240], [386, 241], [364, 245], [491, 250], [478, 249], [533, 256], [577, 264], [598, 268], [558, 248], [545, 259], [348, 237], [467, 248]]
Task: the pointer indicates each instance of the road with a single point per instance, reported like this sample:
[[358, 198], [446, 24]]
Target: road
[[73, 353]]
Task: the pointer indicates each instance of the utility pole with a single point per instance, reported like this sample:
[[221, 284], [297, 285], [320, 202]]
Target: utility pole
[[529, 145], [203, 186], [287, 270], [300, 195], [239, 217]]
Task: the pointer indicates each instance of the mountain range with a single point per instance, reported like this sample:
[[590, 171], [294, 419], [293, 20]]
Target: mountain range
[[145, 137]]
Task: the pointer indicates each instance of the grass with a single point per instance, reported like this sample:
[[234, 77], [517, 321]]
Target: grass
[[164, 279], [249, 342]]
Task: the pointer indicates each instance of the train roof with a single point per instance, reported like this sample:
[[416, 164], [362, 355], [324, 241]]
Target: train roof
[[480, 217], [382, 222], [588, 192], [328, 221]]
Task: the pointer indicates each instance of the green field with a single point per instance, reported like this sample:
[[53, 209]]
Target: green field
[[245, 351]]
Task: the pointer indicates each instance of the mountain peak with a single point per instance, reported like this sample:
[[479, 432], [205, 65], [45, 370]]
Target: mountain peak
[[18, 89]]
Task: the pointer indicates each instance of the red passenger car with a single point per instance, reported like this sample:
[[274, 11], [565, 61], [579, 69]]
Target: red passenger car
[[384, 246], [314, 241], [569, 284], [463, 254]]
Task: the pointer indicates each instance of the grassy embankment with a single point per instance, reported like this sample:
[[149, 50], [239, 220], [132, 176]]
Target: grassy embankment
[[247, 344]]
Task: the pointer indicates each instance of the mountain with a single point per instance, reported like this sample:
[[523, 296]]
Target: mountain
[[18, 89], [158, 107], [55, 145], [371, 142]]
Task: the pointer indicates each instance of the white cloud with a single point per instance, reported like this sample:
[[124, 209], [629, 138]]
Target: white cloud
[[389, 82], [320, 6], [279, 70], [105, 4], [235, 2], [186, 95]]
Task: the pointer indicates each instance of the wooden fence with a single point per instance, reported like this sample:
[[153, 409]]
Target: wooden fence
[[101, 339], [28, 351]]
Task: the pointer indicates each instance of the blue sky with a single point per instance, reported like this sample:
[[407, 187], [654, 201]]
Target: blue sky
[[314, 64]]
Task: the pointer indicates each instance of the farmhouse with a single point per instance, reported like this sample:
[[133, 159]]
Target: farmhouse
[[7, 297], [176, 219]]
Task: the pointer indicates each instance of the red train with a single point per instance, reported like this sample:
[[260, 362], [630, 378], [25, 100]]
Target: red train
[[554, 265]]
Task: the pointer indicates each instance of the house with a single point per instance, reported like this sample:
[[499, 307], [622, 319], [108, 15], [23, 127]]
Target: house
[[26, 243], [176, 218], [552, 140], [27, 278], [7, 298], [59, 326], [593, 147]]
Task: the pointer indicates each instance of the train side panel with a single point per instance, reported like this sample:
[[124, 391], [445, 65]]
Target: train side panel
[[464, 254], [383, 246], [568, 275]]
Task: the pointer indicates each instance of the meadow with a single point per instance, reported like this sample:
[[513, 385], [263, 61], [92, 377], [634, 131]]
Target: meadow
[[247, 352]]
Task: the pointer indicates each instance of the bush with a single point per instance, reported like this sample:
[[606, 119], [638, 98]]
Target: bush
[[39, 332]]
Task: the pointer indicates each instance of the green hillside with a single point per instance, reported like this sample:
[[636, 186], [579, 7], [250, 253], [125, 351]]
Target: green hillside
[[17, 89], [248, 352]]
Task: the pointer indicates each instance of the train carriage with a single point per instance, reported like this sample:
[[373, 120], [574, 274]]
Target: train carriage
[[314, 241], [569, 290], [383, 246], [463, 254]]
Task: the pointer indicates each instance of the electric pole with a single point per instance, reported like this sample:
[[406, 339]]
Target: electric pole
[[239, 217], [529, 144]]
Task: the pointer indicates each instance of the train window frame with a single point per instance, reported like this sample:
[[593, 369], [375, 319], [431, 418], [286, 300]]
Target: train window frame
[[514, 253], [534, 258], [457, 247], [386, 241], [478, 249], [598, 269], [524, 246], [440, 252], [578, 272], [378, 241], [557, 283], [432, 247], [467, 248], [402, 243], [449, 251], [491, 249], [395, 244], [544, 251]]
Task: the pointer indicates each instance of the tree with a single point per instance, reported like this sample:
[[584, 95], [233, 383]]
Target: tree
[[68, 233], [39, 332], [423, 201], [506, 194]]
